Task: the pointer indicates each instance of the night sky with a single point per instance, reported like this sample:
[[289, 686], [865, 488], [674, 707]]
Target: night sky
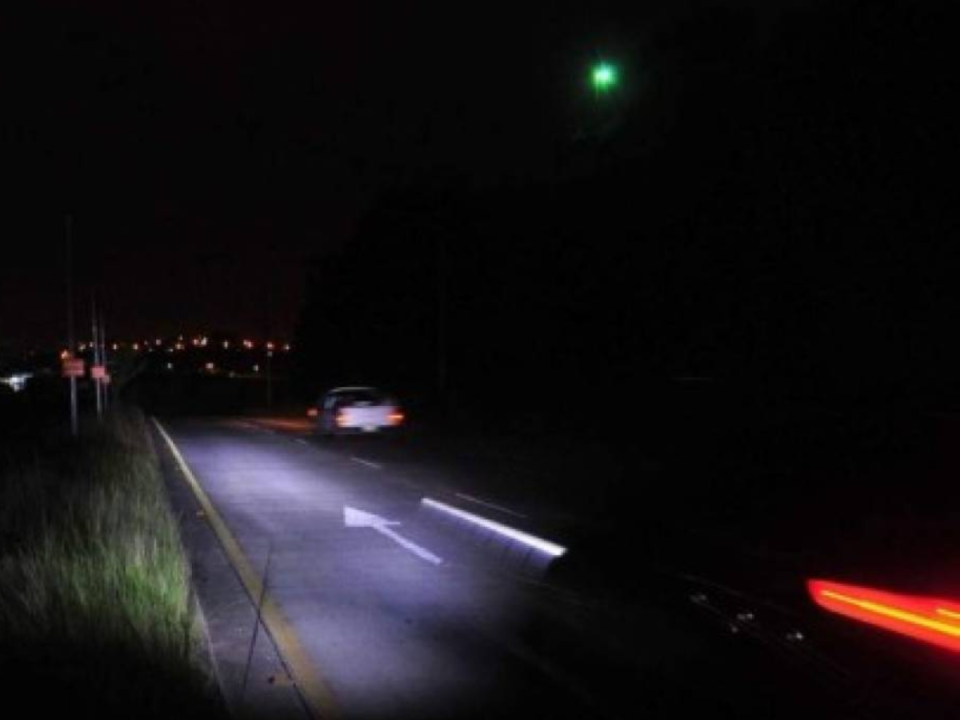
[[210, 151]]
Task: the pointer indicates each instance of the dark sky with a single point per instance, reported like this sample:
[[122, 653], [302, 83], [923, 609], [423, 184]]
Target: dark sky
[[209, 150]]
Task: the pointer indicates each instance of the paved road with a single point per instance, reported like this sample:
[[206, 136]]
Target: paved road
[[420, 617], [410, 604], [507, 471]]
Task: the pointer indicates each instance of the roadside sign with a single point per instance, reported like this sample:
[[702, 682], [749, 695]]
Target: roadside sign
[[98, 372], [72, 367]]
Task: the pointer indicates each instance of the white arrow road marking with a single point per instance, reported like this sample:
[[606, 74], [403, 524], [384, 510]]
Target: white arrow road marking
[[358, 518]]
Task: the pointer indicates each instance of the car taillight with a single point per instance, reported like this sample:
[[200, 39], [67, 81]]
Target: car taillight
[[931, 620], [313, 412], [396, 417]]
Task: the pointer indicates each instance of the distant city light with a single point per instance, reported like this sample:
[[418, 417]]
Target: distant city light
[[193, 343], [17, 381]]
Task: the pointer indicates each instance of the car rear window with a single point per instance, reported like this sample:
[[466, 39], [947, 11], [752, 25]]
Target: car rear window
[[360, 396]]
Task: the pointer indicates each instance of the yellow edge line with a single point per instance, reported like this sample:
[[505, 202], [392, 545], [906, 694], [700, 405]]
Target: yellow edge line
[[305, 673]]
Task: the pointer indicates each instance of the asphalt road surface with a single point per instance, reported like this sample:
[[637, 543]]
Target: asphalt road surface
[[407, 609], [417, 592]]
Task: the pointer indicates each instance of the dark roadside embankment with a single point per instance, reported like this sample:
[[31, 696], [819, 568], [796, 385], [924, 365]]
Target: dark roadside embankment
[[96, 611]]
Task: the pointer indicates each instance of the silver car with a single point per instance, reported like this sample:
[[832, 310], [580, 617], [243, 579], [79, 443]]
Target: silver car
[[351, 410]]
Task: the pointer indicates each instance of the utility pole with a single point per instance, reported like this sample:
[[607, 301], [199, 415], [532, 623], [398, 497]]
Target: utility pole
[[268, 343], [441, 315], [71, 338], [269, 376], [97, 385], [441, 231], [105, 382]]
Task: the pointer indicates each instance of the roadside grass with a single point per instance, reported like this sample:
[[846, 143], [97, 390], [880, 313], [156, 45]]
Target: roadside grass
[[96, 613]]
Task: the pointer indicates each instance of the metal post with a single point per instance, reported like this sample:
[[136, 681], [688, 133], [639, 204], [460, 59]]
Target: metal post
[[97, 386], [269, 326], [71, 339], [269, 380], [103, 358]]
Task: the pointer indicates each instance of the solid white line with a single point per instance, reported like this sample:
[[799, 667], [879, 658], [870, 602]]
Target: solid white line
[[369, 464], [545, 546], [491, 505]]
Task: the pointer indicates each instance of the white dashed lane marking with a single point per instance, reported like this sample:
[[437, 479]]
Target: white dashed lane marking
[[369, 464]]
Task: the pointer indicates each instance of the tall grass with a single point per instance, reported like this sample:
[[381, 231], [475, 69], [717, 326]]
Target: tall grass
[[95, 603]]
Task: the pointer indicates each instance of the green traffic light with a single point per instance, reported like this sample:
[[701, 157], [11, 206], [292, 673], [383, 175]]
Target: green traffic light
[[604, 77]]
